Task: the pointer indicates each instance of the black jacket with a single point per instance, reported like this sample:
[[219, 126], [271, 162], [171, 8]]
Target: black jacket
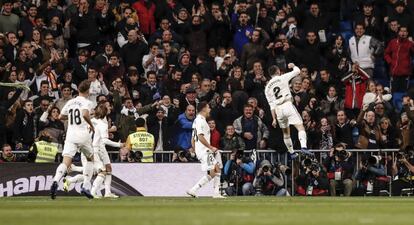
[[132, 54]]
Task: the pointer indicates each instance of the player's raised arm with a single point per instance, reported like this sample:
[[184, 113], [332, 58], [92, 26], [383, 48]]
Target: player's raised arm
[[294, 72]]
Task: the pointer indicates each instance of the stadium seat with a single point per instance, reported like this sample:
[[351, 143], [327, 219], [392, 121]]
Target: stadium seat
[[380, 70], [397, 99], [345, 26]]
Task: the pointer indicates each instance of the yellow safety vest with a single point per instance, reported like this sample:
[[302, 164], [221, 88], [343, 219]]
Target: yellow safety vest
[[46, 152], [144, 142]]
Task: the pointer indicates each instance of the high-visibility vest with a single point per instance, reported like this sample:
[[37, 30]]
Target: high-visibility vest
[[46, 152], [144, 142]]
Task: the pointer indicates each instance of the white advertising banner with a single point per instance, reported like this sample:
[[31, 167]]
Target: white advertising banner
[[166, 179]]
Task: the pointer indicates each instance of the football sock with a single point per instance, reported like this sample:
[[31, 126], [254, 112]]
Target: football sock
[[289, 144], [78, 169], [203, 181], [60, 171], [107, 182], [75, 179], [216, 181], [97, 183], [87, 174], [302, 139]]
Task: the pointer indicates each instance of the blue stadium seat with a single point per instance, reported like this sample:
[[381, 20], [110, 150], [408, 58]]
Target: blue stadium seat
[[347, 35], [397, 99], [380, 71], [345, 26]]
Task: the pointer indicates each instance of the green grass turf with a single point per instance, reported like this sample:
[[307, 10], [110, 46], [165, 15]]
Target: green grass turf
[[183, 211]]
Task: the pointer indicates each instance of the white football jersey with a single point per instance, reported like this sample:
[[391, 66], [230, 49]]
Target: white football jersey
[[77, 126], [277, 90], [101, 136], [200, 126]]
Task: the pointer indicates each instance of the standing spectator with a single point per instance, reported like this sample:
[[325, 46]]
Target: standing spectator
[[398, 56], [364, 49], [242, 32], [25, 129], [252, 129], [197, 36], [225, 113], [27, 23], [317, 22], [133, 51], [190, 98], [158, 126], [98, 86], [185, 129], [343, 130], [218, 35], [214, 134], [373, 23], [355, 87], [89, 24], [80, 67], [331, 104], [9, 22], [146, 14], [369, 134], [254, 50], [66, 91]]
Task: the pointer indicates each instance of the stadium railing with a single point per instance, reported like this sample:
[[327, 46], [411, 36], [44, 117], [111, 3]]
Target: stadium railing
[[274, 156]]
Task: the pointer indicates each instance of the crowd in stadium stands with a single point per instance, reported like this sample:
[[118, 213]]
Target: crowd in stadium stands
[[158, 59]]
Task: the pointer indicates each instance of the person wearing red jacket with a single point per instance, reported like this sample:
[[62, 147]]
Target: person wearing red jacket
[[355, 87], [398, 56], [215, 135], [146, 11]]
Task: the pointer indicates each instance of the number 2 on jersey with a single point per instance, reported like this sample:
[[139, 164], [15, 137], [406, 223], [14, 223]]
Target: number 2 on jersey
[[276, 90], [74, 116]]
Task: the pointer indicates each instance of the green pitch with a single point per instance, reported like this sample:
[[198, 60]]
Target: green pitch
[[183, 211]]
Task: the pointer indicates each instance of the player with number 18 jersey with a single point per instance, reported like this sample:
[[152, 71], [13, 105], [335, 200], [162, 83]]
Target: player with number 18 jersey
[[78, 132]]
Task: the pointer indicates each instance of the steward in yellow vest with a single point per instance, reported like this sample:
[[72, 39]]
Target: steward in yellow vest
[[141, 141], [43, 150]]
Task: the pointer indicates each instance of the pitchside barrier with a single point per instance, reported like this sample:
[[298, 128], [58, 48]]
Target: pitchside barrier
[[149, 179]]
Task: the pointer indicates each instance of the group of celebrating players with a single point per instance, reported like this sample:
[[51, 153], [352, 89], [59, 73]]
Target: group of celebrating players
[[90, 135]]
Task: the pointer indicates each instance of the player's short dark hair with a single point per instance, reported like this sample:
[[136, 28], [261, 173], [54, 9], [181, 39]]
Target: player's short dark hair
[[84, 86], [201, 106], [140, 122], [272, 70]]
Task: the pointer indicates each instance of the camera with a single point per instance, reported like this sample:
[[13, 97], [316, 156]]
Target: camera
[[341, 154], [181, 154], [283, 169], [314, 167], [266, 169], [374, 159], [135, 156]]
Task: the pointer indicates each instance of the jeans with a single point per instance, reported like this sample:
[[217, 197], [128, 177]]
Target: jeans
[[245, 190]]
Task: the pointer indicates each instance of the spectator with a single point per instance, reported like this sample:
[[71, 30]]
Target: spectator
[[231, 141], [251, 128], [133, 51], [146, 13], [369, 134], [25, 127], [364, 49], [27, 23], [242, 32], [398, 56], [49, 122], [225, 113], [7, 154], [158, 125], [214, 134], [254, 50], [185, 128], [343, 132], [98, 86], [355, 86], [9, 22]]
